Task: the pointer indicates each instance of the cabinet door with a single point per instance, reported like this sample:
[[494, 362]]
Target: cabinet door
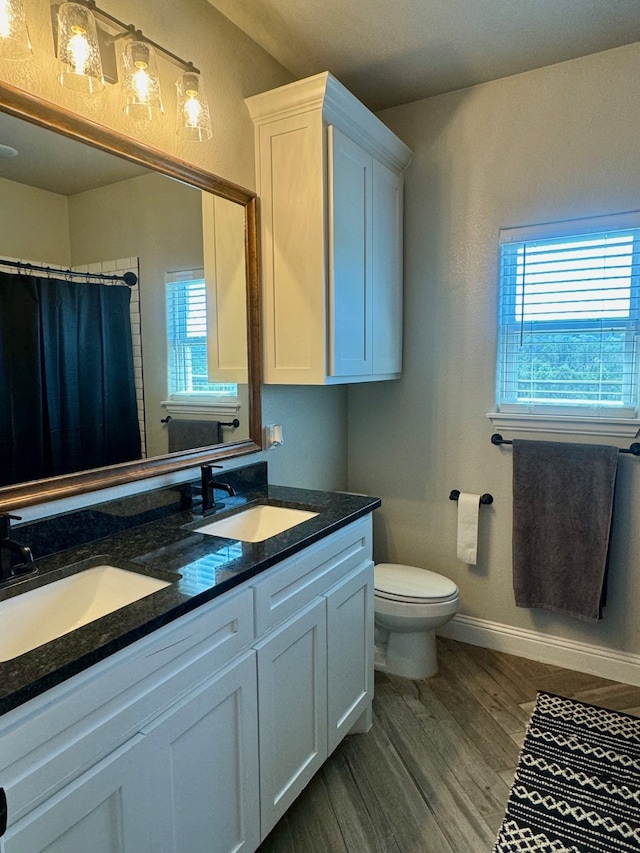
[[350, 224], [103, 811], [204, 767], [292, 690], [225, 277], [292, 200], [386, 271], [349, 651]]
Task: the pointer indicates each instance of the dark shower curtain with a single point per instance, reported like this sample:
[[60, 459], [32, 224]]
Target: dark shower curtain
[[67, 392]]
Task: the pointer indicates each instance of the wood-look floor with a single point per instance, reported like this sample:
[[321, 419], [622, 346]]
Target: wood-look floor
[[433, 774]]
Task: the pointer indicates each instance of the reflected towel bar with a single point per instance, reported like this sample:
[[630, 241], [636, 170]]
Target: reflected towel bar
[[234, 423], [484, 499], [496, 439]]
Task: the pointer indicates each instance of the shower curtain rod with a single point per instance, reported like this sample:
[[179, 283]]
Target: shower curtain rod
[[129, 278]]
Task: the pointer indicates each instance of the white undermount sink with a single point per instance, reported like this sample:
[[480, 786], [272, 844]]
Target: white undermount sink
[[40, 615], [257, 523]]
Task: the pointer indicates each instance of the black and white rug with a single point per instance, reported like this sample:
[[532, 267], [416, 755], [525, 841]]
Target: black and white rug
[[577, 785]]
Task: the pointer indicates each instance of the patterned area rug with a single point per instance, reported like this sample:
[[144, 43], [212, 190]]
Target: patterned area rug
[[577, 785]]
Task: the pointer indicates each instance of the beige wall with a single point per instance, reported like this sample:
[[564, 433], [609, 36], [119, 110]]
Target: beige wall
[[234, 67], [33, 224], [557, 143]]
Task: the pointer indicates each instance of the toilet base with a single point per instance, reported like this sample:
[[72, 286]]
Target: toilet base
[[410, 654]]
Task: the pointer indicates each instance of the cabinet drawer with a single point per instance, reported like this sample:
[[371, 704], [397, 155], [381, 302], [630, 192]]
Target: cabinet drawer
[[282, 591], [73, 726]]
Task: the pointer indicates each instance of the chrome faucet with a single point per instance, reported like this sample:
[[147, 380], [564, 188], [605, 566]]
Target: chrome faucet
[[208, 486], [15, 559]]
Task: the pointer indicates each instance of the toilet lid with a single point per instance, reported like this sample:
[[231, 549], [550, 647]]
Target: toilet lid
[[410, 584]]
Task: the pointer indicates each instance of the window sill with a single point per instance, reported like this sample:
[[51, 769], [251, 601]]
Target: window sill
[[565, 424], [203, 410]]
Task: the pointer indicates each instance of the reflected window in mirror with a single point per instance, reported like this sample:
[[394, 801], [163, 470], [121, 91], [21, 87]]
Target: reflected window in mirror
[[187, 369]]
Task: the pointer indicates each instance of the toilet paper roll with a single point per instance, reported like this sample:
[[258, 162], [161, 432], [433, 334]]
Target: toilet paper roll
[[468, 514]]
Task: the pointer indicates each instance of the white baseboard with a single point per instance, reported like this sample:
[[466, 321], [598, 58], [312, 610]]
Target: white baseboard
[[583, 657]]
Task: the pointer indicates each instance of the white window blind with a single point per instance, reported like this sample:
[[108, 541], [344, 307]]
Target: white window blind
[[569, 310], [186, 300]]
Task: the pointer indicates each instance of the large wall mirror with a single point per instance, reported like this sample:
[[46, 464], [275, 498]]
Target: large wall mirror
[[171, 382]]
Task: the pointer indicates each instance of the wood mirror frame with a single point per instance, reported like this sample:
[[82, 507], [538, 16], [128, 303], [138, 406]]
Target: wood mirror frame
[[47, 115]]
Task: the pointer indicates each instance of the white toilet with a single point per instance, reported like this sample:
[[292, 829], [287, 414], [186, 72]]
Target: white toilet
[[410, 603]]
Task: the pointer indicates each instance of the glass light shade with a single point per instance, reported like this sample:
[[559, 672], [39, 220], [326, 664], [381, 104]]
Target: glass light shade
[[141, 83], [194, 118], [78, 51], [14, 36]]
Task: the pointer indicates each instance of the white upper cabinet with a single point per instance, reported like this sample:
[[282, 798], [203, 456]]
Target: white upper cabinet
[[225, 277], [329, 177]]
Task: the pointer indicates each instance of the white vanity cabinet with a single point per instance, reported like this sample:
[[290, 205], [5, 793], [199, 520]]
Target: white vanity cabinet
[[203, 763], [196, 738], [315, 668], [93, 764], [350, 643], [330, 177], [292, 674]]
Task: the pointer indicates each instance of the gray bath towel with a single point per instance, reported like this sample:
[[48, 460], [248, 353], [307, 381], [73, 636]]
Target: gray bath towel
[[562, 505], [188, 434]]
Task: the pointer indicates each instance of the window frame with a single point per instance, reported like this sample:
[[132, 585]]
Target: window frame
[[201, 398], [579, 417]]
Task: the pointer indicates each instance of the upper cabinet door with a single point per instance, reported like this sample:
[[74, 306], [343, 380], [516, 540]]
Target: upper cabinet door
[[386, 271], [290, 176], [226, 286], [350, 231]]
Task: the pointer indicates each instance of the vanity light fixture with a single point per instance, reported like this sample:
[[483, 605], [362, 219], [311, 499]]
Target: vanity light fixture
[[88, 62], [78, 50], [14, 35], [141, 83], [194, 118]]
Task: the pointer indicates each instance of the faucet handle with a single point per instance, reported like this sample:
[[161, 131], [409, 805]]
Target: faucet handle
[[5, 523]]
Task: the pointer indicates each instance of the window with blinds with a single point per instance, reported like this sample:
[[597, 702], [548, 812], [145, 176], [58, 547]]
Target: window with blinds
[[187, 371], [569, 311]]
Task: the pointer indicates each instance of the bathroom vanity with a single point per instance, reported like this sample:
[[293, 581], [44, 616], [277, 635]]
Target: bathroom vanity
[[191, 719]]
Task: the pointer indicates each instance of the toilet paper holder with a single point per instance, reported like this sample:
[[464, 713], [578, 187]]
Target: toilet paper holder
[[484, 499]]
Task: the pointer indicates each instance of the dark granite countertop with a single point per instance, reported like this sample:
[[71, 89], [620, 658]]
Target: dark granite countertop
[[208, 566]]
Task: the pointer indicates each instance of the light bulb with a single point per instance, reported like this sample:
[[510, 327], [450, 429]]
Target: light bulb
[[194, 119], [141, 84], [192, 109], [79, 52]]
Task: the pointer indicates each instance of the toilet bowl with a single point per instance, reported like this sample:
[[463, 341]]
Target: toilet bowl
[[410, 603]]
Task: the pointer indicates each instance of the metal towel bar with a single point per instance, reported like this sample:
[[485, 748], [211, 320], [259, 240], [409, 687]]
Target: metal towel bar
[[234, 423], [496, 438]]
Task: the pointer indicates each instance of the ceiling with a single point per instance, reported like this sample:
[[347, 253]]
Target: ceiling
[[391, 52], [53, 162]]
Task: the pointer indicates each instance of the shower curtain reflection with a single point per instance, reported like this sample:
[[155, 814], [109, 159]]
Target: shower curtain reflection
[[67, 394]]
